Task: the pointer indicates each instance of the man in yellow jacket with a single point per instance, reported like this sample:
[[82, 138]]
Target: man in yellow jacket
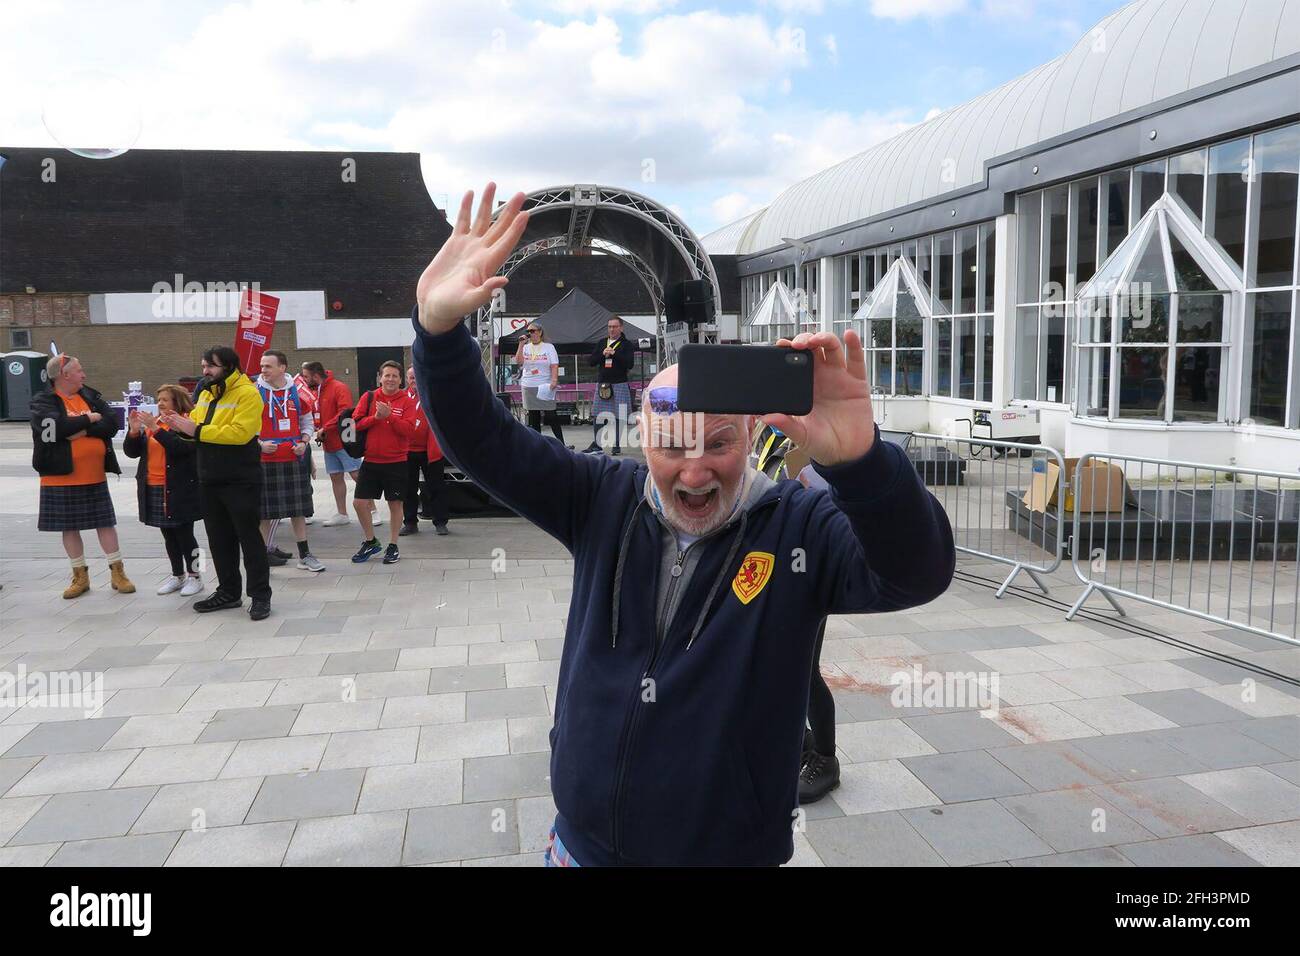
[[226, 423]]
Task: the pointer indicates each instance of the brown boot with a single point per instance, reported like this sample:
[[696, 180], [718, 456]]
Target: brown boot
[[121, 583], [80, 583]]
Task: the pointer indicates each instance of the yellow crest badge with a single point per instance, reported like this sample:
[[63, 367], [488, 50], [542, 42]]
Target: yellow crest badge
[[753, 575]]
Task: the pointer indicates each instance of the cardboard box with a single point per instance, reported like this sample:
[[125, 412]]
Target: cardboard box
[[1101, 486]]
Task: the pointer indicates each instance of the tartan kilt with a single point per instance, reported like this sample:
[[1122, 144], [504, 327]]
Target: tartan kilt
[[286, 489], [155, 509], [610, 406], [76, 508]]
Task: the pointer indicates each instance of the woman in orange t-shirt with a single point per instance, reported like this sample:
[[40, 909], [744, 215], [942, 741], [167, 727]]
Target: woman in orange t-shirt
[[167, 487], [72, 451]]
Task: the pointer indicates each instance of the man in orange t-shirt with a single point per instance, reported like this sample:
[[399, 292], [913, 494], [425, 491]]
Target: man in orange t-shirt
[[72, 451]]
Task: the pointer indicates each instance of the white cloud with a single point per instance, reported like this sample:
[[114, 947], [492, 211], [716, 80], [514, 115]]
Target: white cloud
[[909, 9], [580, 7], [832, 48]]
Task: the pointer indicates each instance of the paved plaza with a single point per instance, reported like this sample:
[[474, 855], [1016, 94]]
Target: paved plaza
[[400, 714]]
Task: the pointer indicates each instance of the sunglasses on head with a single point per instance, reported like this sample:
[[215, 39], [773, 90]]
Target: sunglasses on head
[[663, 400]]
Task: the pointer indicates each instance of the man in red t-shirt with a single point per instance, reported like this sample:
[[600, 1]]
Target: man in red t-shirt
[[387, 417], [425, 456]]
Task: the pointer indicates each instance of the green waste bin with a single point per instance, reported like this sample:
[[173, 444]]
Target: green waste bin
[[24, 378]]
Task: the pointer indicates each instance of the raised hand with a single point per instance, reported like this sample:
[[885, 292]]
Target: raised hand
[[462, 276], [840, 427]]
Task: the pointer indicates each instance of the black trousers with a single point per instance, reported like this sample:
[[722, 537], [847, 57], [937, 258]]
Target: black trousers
[[821, 705], [232, 515], [182, 547], [432, 498], [536, 418]]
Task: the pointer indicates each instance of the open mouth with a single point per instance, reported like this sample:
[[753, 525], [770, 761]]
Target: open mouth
[[697, 504]]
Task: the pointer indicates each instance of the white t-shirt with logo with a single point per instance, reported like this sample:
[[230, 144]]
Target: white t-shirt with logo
[[537, 362]]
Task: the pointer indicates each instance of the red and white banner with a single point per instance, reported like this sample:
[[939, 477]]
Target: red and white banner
[[253, 333]]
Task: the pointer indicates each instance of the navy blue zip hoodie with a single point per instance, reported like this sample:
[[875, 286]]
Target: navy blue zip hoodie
[[687, 752]]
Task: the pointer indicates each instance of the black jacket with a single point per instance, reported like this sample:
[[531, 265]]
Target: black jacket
[[624, 356], [181, 486], [52, 449]]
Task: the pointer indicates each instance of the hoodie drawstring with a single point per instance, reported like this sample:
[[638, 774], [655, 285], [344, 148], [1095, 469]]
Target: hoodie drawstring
[[722, 574], [618, 572]]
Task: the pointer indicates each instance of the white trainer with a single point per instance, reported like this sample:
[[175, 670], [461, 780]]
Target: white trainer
[[335, 522], [170, 585], [379, 517], [193, 585]]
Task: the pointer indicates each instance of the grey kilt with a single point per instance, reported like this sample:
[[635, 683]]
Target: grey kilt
[[622, 396], [286, 489], [534, 404]]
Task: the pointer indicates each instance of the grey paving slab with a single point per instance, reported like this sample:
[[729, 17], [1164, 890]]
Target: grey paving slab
[[510, 702], [478, 738], [879, 786], [106, 657], [211, 803], [505, 777], [295, 796], [1287, 771], [181, 764], [84, 816], [1137, 756], [15, 812], [250, 723], [1169, 807], [309, 626], [1219, 746], [147, 850], [363, 839], [979, 832], [402, 787], [952, 732], [1186, 707], [1101, 856], [967, 775], [67, 773], [66, 737], [13, 769], [275, 755], [1205, 849], [446, 680], [870, 839], [1075, 819], [371, 748], [1280, 733], [1252, 792], [423, 709], [360, 662], [262, 844], [337, 716], [1275, 844], [460, 832]]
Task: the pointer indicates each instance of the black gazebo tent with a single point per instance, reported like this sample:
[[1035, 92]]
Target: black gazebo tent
[[572, 325]]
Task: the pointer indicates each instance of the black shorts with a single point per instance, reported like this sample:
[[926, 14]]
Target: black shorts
[[377, 480]]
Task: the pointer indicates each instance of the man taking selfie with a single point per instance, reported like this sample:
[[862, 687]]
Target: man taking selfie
[[698, 583]]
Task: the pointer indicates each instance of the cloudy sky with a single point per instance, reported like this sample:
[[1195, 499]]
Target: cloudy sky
[[712, 108]]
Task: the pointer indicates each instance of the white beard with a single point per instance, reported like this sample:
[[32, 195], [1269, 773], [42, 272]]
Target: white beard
[[697, 526]]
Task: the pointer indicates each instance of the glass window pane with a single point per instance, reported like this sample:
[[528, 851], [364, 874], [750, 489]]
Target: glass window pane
[[1093, 395], [1225, 217], [1054, 352], [1188, 273], [907, 371], [986, 360], [1277, 169], [1026, 376], [1200, 318], [880, 371], [1029, 248], [965, 358], [943, 357], [1144, 319], [1270, 351], [880, 334], [1142, 383], [1056, 209], [1148, 186], [1094, 320], [1187, 180], [1196, 384], [1085, 232], [907, 333], [966, 265], [1151, 271], [1116, 188], [943, 265], [923, 269], [909, 251], [988, 239]]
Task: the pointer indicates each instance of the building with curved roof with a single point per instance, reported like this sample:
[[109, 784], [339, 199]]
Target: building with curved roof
[[1175, 119]]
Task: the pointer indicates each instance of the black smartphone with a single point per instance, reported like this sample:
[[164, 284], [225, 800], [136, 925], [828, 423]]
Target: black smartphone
[[744, 379]]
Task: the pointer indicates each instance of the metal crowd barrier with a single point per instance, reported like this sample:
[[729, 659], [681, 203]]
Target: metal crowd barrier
[[1207, 540], [1003, 499]]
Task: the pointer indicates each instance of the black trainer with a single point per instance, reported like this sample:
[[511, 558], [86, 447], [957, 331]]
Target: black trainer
[[615, 452], [440, 528], [260, 609], [819, 776], [219, 601], [408, 529], [391, 554], [276, 560], [590, 448], [280, 553]]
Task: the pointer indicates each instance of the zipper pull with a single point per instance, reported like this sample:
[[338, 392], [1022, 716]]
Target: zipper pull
[[677, 568]]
